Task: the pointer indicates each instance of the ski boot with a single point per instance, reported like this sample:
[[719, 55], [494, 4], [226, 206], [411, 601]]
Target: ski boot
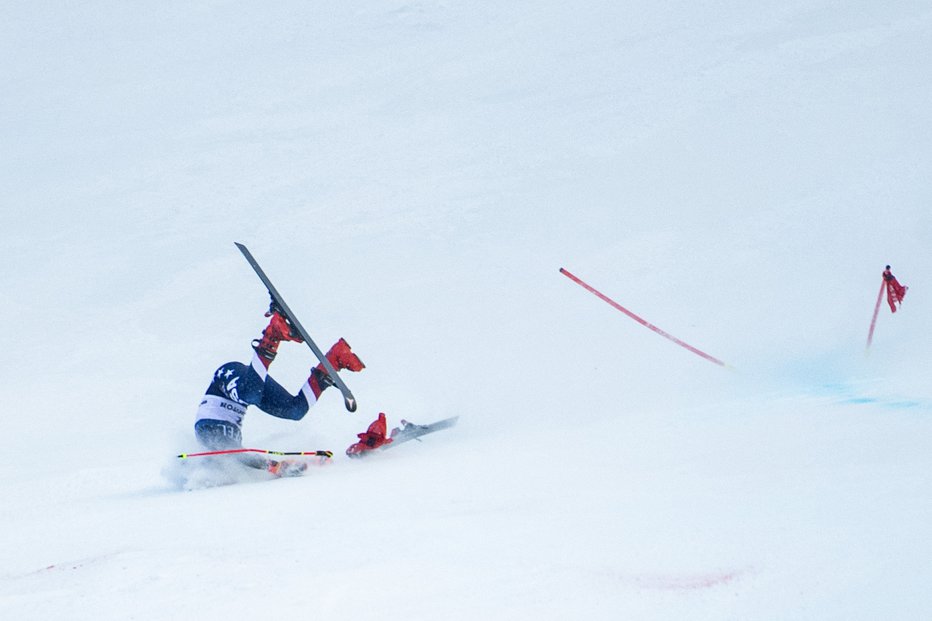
[[371, 439], [278, 330], [340, 357]]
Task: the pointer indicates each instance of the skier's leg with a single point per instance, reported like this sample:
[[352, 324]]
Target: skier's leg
[[279, 402]]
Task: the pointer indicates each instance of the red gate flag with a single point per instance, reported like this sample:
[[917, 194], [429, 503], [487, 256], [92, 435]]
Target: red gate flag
[[895, 291]]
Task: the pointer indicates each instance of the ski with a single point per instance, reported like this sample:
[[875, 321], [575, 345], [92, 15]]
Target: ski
[[399, 435], [348, 397], [412, 431]]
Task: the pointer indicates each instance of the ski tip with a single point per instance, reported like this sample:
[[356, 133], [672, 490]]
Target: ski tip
[[350, 403]]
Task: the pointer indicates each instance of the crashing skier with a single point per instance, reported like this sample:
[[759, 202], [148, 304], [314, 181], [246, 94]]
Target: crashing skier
[[236, 385]]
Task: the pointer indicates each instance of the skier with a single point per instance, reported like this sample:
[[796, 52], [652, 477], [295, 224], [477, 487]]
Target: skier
[[895, 291], [235, 386]]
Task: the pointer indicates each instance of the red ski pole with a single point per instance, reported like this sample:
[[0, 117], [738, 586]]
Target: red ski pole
[[644, 323], [870, 334], [327, 454]]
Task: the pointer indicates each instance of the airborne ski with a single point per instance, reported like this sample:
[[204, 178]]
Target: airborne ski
[[348, 398]]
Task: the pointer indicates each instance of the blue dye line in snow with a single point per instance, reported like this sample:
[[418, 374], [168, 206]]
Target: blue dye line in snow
[[856, 399]]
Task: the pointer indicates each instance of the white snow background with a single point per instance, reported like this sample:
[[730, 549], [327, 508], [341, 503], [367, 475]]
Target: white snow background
[[412, 175]]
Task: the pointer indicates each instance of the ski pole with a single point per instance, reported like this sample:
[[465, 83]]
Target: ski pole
[[644, 323], [327, 454], [870, 333]]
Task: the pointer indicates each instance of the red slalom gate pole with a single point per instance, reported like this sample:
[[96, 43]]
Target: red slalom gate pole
[[870, 333], [327, 454], [644, 323]]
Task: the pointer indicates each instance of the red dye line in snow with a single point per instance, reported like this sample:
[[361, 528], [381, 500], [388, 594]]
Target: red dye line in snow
[[644, 323], [870, 334], [678, 583], [72, 565]]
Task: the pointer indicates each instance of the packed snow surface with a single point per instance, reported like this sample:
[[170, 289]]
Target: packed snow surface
[[412, 175]]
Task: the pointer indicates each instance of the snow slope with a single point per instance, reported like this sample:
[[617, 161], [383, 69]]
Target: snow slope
[[412, 175]]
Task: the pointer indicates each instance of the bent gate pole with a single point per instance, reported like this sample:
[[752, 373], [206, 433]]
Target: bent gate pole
[[870, 333], [641, 321]]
